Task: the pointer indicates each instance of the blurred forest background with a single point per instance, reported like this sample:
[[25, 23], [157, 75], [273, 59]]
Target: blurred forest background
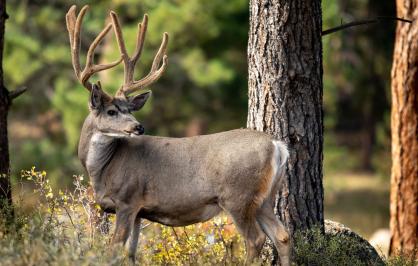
[[204, 89]]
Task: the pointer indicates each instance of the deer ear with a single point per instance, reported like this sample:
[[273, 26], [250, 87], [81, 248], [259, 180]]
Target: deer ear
[[138, 101], [96, 97]]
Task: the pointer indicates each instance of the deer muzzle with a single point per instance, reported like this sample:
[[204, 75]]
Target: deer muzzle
[[137, 130]]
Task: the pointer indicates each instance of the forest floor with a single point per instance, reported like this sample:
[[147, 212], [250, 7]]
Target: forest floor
[[359, 201]]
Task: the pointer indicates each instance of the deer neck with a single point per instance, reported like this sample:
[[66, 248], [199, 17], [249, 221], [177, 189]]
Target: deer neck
[[95, 151]]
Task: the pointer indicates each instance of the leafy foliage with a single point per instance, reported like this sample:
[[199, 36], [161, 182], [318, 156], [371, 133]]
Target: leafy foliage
[[205, 80], [204, 89], [313, 247], [68, 228]]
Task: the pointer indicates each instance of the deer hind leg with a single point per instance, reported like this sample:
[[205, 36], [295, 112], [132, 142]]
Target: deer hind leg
[[134, 237], [276, 231], [249, 228]]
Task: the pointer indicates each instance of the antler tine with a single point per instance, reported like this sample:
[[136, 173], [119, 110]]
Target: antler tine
[[160, 53], [70, 19], [90, 67], [74, 29], [130, 85], [142, 30], [128, 69], [155, 72], [74, 41]]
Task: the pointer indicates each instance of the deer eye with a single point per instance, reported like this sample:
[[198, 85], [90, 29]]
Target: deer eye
[[112, 112]]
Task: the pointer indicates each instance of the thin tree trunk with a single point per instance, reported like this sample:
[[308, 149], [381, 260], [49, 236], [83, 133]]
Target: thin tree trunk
[[5, 187], [285, 99], [404, 182]]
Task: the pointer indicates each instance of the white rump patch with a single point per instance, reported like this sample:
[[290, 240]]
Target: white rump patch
[[279, 159]]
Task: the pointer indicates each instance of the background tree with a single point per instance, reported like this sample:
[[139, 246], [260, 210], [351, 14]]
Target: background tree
[[285, 99], [204, 89], [5, 188], [404, 182], [357, 64], [6, 99]]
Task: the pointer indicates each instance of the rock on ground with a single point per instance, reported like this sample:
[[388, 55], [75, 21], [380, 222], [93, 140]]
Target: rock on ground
[[367, 254]]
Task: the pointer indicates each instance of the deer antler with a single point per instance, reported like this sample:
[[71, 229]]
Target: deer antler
[[74, 28], [130, 85]]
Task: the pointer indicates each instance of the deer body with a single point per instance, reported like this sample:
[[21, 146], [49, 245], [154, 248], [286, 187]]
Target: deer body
[[209, 172], [173, 181]]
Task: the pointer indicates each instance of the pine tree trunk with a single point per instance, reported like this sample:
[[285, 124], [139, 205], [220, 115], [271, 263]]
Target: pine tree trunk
[[404, 182], [285, 99], [5, 187]]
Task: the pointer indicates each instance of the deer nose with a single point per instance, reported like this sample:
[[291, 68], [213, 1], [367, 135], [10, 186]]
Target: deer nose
[[139, 129]]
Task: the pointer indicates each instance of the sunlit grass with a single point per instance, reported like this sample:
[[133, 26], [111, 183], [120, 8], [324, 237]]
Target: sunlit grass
[[68, 228], [360, 201]]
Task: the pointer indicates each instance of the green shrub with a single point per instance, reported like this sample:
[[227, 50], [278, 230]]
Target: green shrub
[[68, 228], [313, 247], [402, 259]]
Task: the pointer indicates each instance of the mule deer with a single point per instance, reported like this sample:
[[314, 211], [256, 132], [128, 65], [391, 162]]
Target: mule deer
[[172, 181]]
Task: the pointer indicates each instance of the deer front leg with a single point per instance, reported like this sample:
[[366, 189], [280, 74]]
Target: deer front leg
[[133, 243], [124, 223]]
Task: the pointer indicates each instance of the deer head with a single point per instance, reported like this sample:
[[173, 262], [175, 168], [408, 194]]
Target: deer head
[[112, 115]]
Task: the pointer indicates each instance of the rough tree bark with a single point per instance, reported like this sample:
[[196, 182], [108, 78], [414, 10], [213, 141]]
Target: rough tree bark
[[404, 182], [5, 188], [285, 99]]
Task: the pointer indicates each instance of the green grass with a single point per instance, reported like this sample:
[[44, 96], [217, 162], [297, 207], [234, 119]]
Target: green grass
[[45, 235], [359, 201], [66, 228], [312, 248]]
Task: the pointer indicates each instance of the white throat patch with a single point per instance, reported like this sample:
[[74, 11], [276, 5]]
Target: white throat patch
[[99, 143]]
